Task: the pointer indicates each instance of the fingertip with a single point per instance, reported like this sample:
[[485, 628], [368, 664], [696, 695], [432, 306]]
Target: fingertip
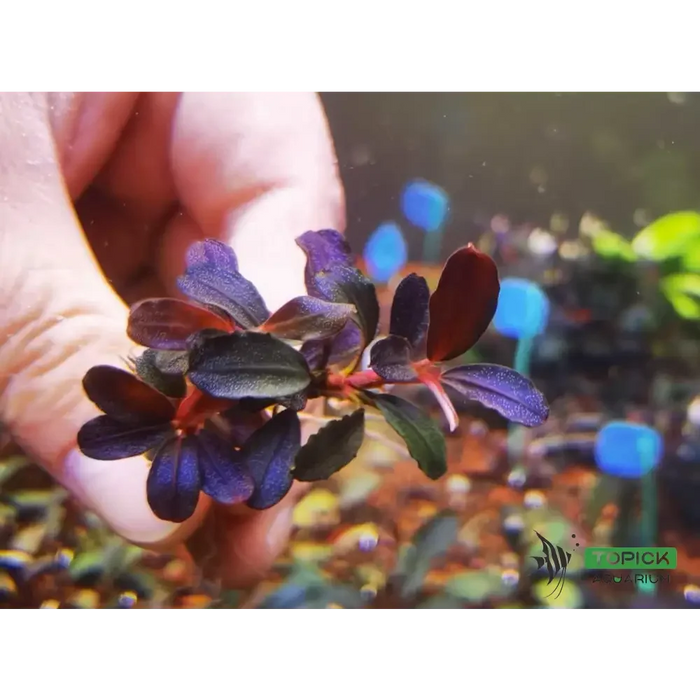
[[250, 541], [117, 492]]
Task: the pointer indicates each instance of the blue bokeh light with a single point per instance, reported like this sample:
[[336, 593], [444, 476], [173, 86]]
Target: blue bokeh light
[[523, 309], [385, 252], [425, 205], [628, 450]]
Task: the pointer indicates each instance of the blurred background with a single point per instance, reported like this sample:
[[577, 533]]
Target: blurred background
[[589, 205]]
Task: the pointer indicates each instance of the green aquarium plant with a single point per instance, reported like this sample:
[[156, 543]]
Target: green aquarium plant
[[216, 400], [672, 243]]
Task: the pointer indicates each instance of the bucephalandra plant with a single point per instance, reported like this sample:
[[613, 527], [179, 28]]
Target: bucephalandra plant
[[216, 398]]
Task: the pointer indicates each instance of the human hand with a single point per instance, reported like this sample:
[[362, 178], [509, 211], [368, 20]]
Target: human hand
[[115, 186]]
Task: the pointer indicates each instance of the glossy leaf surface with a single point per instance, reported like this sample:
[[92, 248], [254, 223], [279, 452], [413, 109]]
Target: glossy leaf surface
[[502, 389], [324, 250], [463, 304], [224, 476], [253, 365], [124, 397], [108, 439], [346, 349], [269, 456], [146, 368], [165, 324], [409, 309], [331, 448], [308, 318], [172, 362], [213, 253], [316, 353], [390, 358], [173, 482], [348, 285], [196, 339], [224, 288], [425, 442]]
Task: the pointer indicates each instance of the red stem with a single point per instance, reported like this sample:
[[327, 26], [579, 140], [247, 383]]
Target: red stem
[[367, 379]]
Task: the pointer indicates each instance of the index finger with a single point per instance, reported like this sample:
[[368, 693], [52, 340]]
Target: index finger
[[255, 170]]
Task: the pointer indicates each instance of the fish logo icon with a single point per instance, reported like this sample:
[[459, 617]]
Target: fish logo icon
[[555, 561]]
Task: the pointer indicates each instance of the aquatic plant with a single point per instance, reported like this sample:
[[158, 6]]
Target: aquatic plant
[[672, 243], [217, 399]]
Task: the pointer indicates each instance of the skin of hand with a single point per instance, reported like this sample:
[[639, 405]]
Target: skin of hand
[[100, 196]]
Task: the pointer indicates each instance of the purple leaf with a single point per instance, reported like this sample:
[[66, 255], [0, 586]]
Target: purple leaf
[[224, 477], [341, 353], [165, 324], [347, 285], [324, 250], [316, 353], [501, 389], [269, 456], [212, 253], [108, 439], [173, 483], [124, 397], [346, 349], [409, 309], [225, 289], [308, 318], [390, 358]]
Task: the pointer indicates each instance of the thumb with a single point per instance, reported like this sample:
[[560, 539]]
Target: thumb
[[58, 318]]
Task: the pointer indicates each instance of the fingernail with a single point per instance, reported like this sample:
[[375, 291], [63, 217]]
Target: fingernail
[[278, 534]]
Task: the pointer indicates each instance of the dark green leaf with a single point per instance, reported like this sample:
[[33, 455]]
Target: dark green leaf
[[248, 365], [171, 361], [331, 448], [432, 540], [172, 385], [425, 441], [308, 318]]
